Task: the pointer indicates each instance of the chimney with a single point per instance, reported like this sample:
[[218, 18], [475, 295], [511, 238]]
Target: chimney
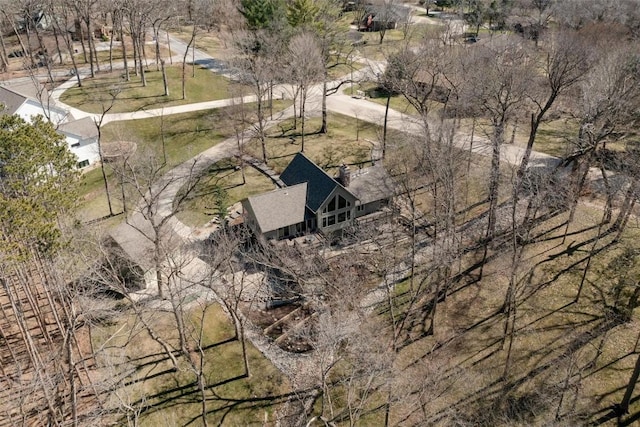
[[345, 175]]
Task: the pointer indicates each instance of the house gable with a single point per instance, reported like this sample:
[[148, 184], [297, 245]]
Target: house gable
[[319, 184], [315, 201], [336, 210]]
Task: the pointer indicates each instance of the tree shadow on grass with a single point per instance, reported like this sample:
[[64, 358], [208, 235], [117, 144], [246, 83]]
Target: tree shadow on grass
[[159, 358], [614, 412], [189, 394]]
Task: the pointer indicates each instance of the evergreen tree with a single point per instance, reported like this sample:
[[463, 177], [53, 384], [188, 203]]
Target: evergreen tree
[[302, 13], [38, 179], [262, 14]]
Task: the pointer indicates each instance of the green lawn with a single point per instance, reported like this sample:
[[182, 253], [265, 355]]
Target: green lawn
[[97, 94], [346, 142], [220, 187], [221, 184], [209, 42], [185, 136], [373, 93], [165, 397], [103, 55]]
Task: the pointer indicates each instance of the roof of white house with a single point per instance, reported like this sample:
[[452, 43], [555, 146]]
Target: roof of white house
[[11, 100], [279, 208], [84, 128], [14, 94]]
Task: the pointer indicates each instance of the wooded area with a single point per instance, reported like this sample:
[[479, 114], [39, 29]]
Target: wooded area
[[499, 287]]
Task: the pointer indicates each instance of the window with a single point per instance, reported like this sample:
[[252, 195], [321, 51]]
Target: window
[[331, 220], [83, 164], [332, 205], [342, 217], [76, 145], [360, 208], [324, 222], [342, 202]]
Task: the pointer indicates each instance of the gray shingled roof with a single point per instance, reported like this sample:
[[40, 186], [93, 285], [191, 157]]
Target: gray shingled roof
[[84, 128], [371, 184], [276, 209], [320, 184], [11, 100], [24, 90]]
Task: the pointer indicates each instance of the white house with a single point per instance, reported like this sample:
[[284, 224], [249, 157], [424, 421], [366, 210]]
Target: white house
[[82, 137], [27, 100]]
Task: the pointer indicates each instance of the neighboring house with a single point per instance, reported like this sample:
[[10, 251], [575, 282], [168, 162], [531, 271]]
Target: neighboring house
[[28, 100], [314, 201], [387, 17], [39, 19]]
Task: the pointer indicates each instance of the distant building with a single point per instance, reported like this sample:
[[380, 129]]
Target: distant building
[[28, 100], [314, 201], [384, 17]]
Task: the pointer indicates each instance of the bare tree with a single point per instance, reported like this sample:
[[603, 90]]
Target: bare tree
[[610, 94], [504, 69], [424, 77], [305, 68], [255, 64], [145, 175], [564, 64]]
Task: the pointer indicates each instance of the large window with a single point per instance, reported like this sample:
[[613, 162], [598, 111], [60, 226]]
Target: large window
[[83, 164], [336, 203], [336, 211]]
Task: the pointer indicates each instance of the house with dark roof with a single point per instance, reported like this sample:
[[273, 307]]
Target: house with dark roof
[[28, 99], [313, 201], [384, 16]]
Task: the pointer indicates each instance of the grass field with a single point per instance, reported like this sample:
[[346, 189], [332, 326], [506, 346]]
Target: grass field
[[154, 394], [97, 94], [220, 187], [345, 142]]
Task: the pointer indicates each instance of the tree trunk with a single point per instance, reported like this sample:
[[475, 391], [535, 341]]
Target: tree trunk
[[384, 128], [143, 75], [323, 127], [104, 175], [127, 77], [626, 399], [592, 252], [91, 48], [303, 101], [4, 58], [165, 81], [494, 186]]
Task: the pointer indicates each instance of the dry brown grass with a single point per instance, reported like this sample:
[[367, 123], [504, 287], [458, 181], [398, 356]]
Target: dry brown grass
[[555, 336]]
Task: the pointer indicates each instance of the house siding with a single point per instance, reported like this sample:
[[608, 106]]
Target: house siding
[[84, 149], [333, 215], [369, 208]]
